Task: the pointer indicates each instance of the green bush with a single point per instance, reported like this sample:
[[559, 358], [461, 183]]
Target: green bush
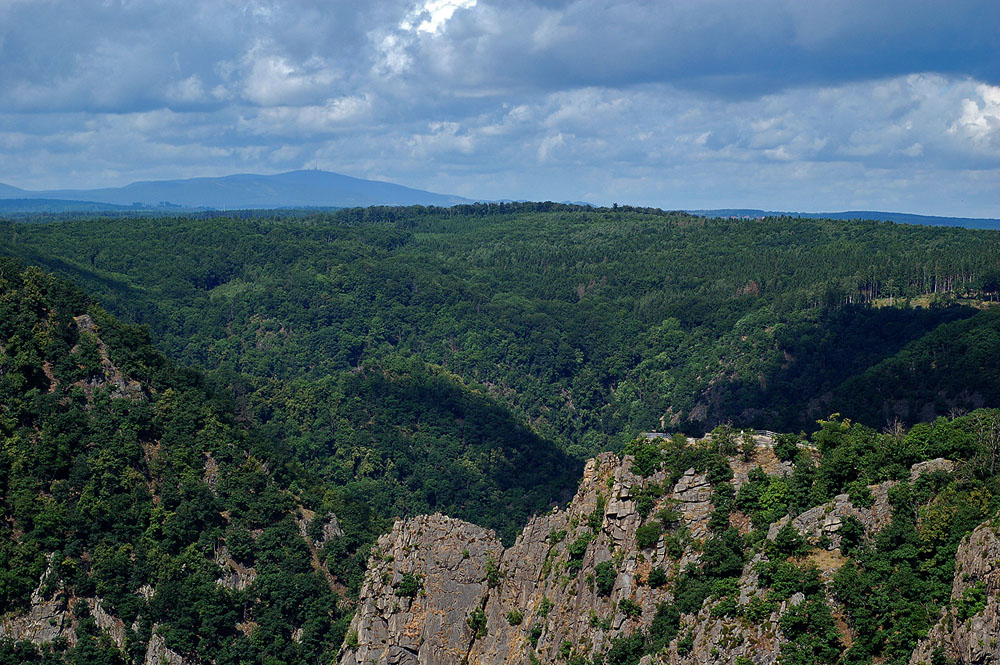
[[493, 573], [477, 622], [972, 602], [630, 608], [657, 577], [605, 577], [409, 586], [647, 535], [786, 447]]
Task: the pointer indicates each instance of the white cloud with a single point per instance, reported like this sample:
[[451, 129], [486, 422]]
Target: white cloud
[[271, 78], [190, 89], [632, 100], [980, 119], [308, 121], [433, 14], [548, 144]]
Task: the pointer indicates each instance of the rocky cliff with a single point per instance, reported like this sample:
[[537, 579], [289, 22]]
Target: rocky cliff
[[969, 631], [585, 579]]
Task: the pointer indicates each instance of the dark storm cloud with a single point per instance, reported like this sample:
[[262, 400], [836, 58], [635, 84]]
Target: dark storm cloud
[[727, 46]]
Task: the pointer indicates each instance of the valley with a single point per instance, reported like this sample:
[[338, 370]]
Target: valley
[[412, 435]]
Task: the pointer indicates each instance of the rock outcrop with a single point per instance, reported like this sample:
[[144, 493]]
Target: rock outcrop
[[443, 591], [968, 632], [109, 376], [428, 576], [482, 604]]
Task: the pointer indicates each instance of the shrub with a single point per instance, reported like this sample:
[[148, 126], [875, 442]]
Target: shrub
[[515, 617], [630, 608], [409, 586], [851, 534], [605, 576], [786, 446], [647, 535], [596, 518], [727, 607], [685, 644], [666, 622], [973, 601], [578, 547], [477, 622], [787, 542], [493, 574], [758, 609], [646, 455], [657, 577], [860, 494], [669, 517]]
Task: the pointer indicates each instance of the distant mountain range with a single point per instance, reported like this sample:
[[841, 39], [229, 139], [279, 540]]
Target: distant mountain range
[[898, 217], [325, 189], [296, 189]]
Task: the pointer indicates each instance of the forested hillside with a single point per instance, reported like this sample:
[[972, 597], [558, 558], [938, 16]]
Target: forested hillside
[[586, 324], [376, 363], [127, 489]]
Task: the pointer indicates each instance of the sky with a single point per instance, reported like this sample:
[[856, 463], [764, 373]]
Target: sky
[[800, 105]]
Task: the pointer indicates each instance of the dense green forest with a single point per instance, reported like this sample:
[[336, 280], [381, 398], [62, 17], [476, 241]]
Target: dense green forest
[[587, 325], [465, 359], [104, 489], [384, 362]]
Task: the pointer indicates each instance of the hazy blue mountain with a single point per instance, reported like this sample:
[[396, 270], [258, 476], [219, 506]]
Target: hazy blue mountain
[[8, 192], [292, 189], [898, 217]]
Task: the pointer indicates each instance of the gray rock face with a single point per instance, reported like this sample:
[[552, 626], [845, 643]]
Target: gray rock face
[[330, 529], [47, 618], [157, 652], [429, 626], [930, 466], [234, 575], [43, 622], [827, 519], [544, 594], [545, 602], [975, 637]]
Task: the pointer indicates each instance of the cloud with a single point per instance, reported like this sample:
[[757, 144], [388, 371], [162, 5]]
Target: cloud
[[270, 78], [980, 119], [307, 121], [434, 14], [662, 102]]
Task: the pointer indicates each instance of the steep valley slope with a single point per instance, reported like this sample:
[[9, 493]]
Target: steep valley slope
[[595, 583], [143, 519]]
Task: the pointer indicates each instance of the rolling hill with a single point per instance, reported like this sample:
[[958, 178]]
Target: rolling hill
[[880, 216], [282, 190]]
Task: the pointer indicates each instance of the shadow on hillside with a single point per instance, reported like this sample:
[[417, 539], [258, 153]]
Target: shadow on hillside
[[824, 362], [115, 295], [440, 446]]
